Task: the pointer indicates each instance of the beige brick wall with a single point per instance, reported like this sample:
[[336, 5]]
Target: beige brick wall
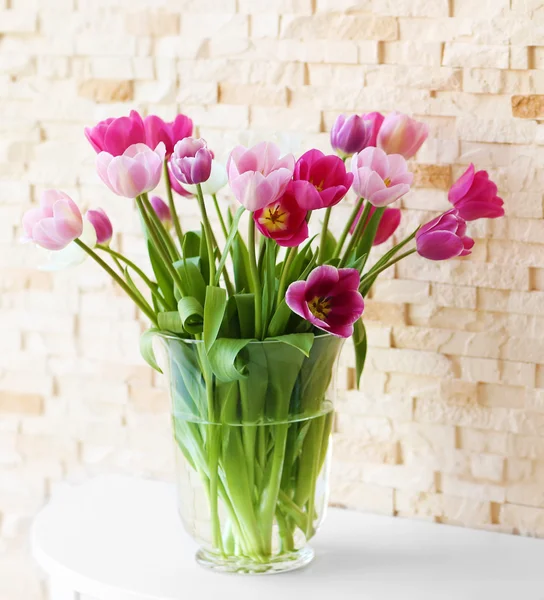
[[451, 424]]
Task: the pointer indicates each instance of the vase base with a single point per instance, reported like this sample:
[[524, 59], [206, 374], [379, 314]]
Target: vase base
[[246, 566]]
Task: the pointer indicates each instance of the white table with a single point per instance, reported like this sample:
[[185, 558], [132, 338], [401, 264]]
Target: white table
[[117, 538]]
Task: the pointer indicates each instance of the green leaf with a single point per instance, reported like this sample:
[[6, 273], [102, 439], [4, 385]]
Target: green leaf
[[225, 360], [191, 314], [163, 277], [360, 344], [335, 262], [191, 244], [301, 341], [365, 243], [300, 262], [146, 348], [170, 321], [189, 269], [203, 253], [330, 246], [279, 320], [232, 234], [214, 310], [358, 263], [240, 263], [245, 303]]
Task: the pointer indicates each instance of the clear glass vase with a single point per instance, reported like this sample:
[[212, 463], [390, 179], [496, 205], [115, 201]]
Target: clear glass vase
[[252, 452]]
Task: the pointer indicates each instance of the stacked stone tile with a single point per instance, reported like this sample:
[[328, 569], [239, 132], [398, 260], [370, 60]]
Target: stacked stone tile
[[450, 423]]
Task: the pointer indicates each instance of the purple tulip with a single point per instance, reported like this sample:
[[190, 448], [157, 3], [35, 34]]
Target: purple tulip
[[102, 225], [329, 299], [116, 135], [162, 211], [326, 178], [444, 237], [192, 161], [157, 130], [380, 178], [55, 223], [351, 135], [474, 195]]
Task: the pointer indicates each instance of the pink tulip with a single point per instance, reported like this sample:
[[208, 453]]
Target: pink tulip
[[55, 223], [191, 161], [351, 135], [136, 171], [102, 225], [258, 176], [175, 184], [376, 119], [400, 134], [326, 178], [162, 210], [474, 195], [380, 178], [157, 130], [388, 224], [329, 299], [444, 237], [116, 135], [284, 220]]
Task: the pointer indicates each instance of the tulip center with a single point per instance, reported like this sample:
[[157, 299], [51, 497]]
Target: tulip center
[[320, 307], [273, 218], [387, 181], [319, 186]]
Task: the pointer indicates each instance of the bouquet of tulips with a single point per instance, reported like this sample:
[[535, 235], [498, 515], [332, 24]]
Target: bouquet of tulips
[[279, 282]]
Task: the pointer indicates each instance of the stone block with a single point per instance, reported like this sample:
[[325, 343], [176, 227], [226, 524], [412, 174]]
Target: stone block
[[106, 91], [528, 107]]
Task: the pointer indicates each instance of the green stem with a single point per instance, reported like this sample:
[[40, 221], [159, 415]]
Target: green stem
[[349, 223], [359, 229], [324, 231], [207, 231], [220, 216], [161, 229], [155, 236], [292, 252], [270, 279], [374, 273], [172, 206], [146, 309], [256, 282]]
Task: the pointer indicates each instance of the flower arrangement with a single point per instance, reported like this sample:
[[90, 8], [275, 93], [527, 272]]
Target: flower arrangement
[[218, 306]]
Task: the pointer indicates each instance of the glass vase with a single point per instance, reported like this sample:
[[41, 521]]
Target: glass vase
[[252, 453]]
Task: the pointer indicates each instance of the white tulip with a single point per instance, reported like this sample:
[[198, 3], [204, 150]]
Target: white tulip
[[218, 179]]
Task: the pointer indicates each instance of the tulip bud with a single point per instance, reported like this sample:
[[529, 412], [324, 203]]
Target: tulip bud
[[162, 210], [191, 161], [102, 225], [351, 135]]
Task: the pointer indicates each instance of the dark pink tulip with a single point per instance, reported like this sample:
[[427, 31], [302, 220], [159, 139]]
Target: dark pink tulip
[[329, 299], [162, 210], [444, 237], [400, 134], [474, 195], [351, 135], [388, 223], [116, 135], [284, 220], [192, 161], [327, 178], [157, 130], [102, 225]]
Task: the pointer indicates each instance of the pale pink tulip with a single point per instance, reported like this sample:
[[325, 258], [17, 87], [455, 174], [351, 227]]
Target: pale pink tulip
[[136, 171], [55, 223], [400, 134], [258, 176], [380, 178]]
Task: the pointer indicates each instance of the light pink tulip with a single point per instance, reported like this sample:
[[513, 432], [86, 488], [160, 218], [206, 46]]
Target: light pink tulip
[[102, 225], [380, 178], [400, 134], [258, 176], [55, 223], [136, 171]]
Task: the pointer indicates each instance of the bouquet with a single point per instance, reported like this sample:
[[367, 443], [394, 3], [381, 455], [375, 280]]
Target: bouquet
[[252, 324]]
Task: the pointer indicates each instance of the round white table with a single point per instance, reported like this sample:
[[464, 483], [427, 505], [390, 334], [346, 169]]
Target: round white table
[[118, 538]]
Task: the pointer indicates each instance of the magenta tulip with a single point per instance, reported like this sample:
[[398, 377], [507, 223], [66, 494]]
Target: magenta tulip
[[400, 134], [136, 171], [351, 135], [176, 185], [55, 223], [380, 178], [329, 299], [326, 178], [388, 224], [157, 130], [162, 211], [258, 176], [102, 225], [116, 135], [474, 195], [444, 237], [192, 161], [284, 220]]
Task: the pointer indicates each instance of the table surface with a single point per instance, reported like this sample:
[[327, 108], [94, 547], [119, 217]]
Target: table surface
[[119, 538]]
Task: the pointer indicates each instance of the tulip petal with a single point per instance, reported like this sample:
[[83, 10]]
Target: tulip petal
[[439, 245]]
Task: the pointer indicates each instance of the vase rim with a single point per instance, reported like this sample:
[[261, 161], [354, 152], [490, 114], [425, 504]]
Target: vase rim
[[172, 336]]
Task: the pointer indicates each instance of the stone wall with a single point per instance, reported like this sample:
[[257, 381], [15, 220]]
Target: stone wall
[[450, 426]]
